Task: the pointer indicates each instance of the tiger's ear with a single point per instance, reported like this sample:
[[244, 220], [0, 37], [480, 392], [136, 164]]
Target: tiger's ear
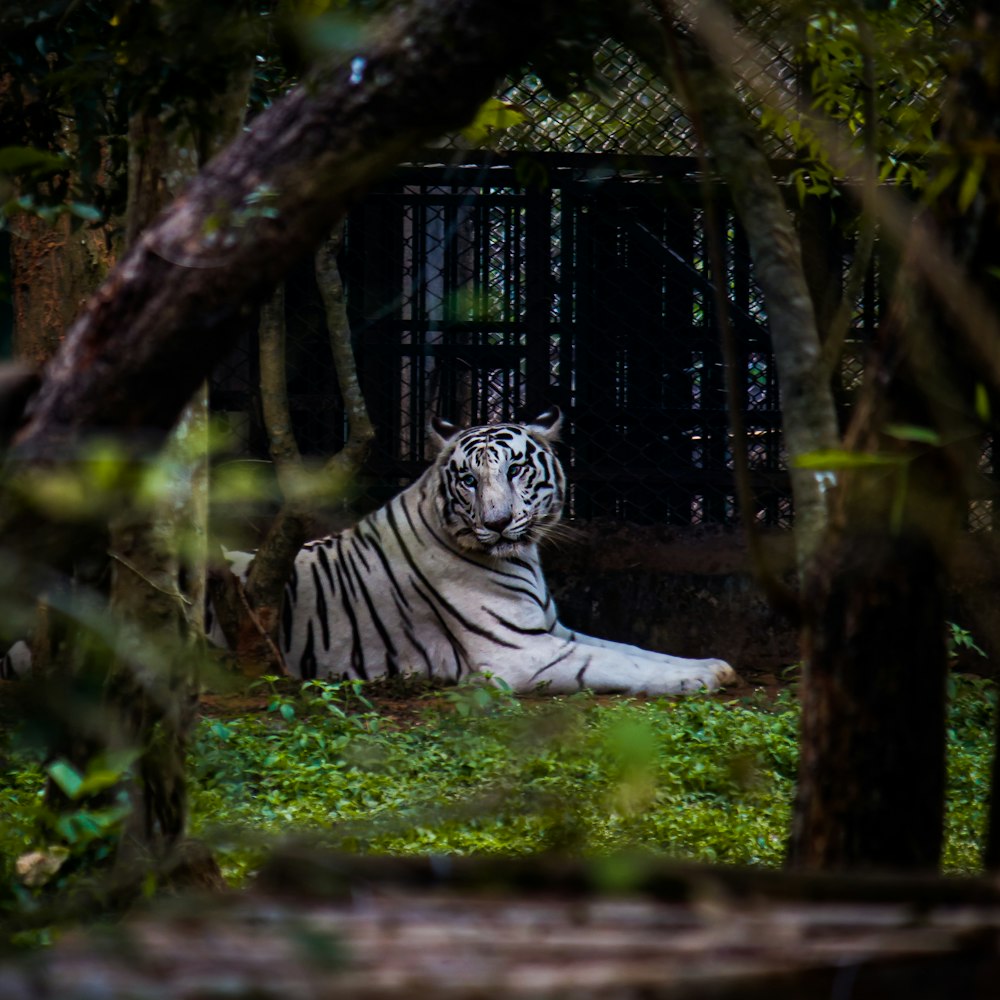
[[546, 425], [441, 431]]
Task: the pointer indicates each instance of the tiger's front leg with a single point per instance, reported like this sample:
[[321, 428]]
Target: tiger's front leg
[[562, 632], [563, 664]]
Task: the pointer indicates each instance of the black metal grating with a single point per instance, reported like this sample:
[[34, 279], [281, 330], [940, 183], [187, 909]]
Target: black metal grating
[[483, 296]]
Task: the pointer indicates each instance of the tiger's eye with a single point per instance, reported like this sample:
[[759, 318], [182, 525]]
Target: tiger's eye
[[468, 481]]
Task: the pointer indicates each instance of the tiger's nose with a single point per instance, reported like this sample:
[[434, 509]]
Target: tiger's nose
[[497, 522]]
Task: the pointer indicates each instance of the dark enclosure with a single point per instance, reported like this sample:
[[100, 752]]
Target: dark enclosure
[[487, 290]]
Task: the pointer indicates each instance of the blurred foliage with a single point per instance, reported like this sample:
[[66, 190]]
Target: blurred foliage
[[802, 71], [908, 44], [83, 68], [694, 778]]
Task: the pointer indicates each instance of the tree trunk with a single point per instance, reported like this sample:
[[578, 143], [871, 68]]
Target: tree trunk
[[871, 780], [871, 771], [158, 543], [55, 269]]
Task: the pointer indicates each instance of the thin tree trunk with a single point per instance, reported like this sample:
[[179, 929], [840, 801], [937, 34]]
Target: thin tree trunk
[[808, 414], [252, 614], [809, 419], [361, 432]]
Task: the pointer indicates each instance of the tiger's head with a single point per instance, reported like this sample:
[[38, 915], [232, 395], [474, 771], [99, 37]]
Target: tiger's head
[[500, 486]]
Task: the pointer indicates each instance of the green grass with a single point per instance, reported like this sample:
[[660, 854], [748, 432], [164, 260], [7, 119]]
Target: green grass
[[690, 778], [480, 771]]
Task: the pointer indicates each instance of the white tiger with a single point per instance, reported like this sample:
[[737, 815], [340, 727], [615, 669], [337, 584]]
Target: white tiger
[[445, 580]]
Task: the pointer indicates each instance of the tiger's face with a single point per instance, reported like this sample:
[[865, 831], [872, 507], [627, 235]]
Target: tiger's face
[[501, 486]]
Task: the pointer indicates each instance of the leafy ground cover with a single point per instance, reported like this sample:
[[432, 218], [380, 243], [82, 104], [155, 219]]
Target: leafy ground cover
[[475, 770]]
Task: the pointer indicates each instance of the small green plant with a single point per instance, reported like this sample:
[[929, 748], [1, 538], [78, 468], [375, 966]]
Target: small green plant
[[960, 639], [481, 694], [343, 699], [97, 820], [282, 701]]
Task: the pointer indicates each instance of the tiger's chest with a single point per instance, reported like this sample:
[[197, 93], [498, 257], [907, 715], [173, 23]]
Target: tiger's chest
[[382, 600]]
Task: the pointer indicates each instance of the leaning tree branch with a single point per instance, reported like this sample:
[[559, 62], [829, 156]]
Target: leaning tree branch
[[183, 293]]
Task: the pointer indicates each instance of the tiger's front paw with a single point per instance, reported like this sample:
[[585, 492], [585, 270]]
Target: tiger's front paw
[[706, 675], [722, 673]]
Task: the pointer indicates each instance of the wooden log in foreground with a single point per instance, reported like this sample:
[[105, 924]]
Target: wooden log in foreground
[[318, 926]]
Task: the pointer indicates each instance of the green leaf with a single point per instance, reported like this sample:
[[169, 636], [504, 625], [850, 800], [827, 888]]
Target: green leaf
[[908, 432], [982, 403], [287, 711], [106, 770], [97, 781], [17, 159], [492, 116], [800, 186], [970, 183], [66, 777], [836, 458]]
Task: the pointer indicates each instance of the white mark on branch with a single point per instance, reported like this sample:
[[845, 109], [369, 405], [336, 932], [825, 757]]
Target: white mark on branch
[[825, 481], [358, 64]]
